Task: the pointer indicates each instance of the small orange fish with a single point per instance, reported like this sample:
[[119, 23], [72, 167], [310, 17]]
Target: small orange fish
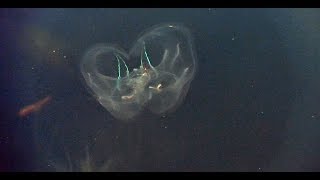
[[35, 107]]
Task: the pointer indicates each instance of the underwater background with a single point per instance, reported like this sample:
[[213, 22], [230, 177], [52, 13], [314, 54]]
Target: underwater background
[[252, 105]]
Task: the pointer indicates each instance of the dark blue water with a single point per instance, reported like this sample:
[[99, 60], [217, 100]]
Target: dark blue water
[[252, 106]]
